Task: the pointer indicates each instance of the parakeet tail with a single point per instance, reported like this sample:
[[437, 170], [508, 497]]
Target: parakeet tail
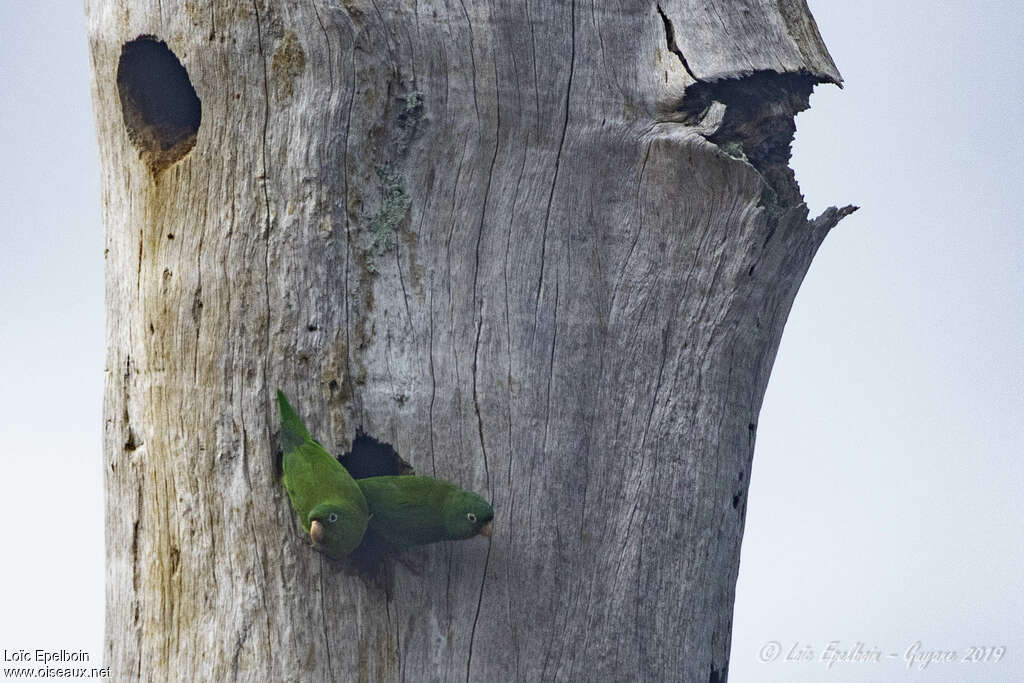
[[293, 432]]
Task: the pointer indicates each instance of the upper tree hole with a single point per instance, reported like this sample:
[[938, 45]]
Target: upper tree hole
[[160, 107], [372, 458]]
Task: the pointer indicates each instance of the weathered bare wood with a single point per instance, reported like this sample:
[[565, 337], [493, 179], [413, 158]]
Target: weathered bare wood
[[544, 249]]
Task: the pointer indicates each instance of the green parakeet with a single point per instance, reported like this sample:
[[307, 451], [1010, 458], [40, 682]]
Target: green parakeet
[[329, 503], [411, 510]]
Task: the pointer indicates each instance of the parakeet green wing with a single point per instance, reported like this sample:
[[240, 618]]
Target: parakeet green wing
[[330, 505], [412, 510]]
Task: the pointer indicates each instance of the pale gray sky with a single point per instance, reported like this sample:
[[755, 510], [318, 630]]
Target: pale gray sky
[[884, 503], [51, 334], [885, 492]]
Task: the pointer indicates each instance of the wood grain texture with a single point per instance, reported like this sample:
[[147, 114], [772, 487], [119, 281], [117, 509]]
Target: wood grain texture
[[576, 316], [722, 40]]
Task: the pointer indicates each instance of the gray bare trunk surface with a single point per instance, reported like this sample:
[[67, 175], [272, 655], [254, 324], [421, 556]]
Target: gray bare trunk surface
[[544, 249]]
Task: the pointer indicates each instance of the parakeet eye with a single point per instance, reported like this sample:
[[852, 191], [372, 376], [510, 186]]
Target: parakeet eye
[[471, 517], [332, 518]]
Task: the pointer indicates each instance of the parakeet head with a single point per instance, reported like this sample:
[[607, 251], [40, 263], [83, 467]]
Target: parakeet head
[[336, 528], [466, 515]]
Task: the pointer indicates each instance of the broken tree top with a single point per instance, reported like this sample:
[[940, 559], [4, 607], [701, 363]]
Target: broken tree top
[[735, 39]]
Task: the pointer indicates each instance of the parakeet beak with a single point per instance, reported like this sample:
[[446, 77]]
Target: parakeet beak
[[316, 532], [486, 529]]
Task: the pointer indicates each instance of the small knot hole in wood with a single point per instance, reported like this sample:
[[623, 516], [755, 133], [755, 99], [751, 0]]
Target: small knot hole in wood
[[160, 107]]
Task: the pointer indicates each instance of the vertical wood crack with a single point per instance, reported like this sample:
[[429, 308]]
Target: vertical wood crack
[[673, 47], [558, 155]]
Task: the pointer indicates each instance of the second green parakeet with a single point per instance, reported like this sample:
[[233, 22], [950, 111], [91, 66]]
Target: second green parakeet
[[329, 503], [411, 510]]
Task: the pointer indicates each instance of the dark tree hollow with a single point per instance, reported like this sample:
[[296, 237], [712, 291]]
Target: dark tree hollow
[[161, 109]]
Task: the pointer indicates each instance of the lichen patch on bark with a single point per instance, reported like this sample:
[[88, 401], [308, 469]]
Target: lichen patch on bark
[[288, 64]]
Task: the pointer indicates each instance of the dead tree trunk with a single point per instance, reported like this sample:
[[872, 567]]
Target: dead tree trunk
[[546, 250]]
